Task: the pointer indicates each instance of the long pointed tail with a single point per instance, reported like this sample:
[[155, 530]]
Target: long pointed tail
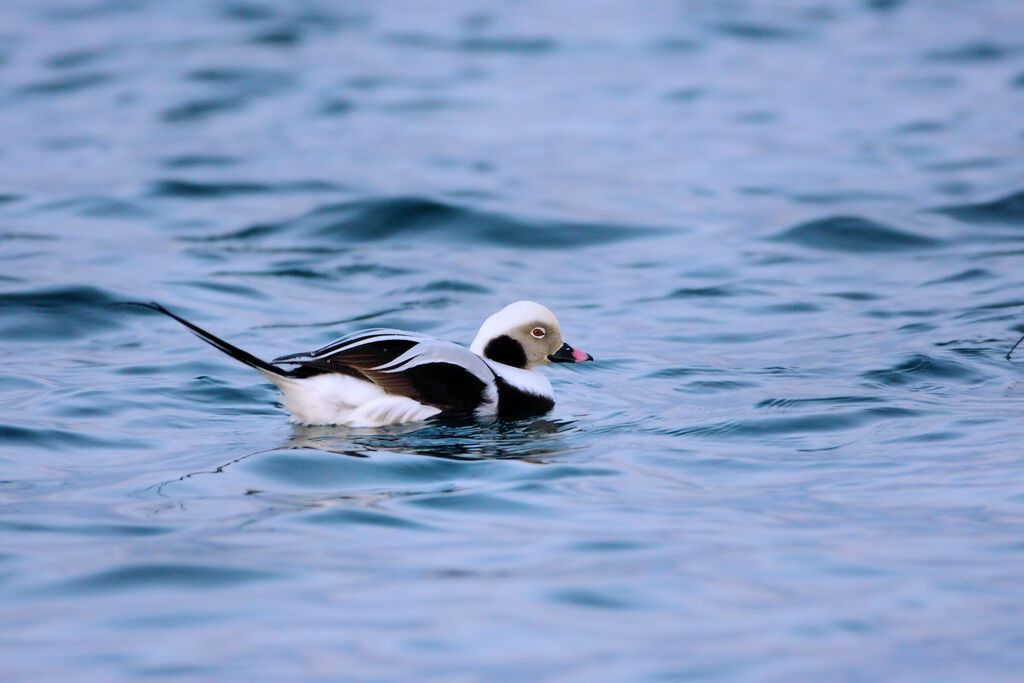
[[266, 368]]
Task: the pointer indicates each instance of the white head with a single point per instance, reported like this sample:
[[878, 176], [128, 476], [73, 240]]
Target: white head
[[524, 335]]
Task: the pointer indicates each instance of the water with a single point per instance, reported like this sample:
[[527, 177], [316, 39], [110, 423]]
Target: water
[[791, 235]]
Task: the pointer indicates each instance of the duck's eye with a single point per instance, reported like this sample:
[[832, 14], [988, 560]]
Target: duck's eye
[[538, 332]]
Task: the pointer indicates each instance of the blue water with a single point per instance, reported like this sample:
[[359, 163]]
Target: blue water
[[792, 234]]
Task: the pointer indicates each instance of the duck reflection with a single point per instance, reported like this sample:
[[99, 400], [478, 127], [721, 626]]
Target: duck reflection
[[530, 440], [537, 441]]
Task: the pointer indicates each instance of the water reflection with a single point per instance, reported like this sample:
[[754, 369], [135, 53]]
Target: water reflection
[[529, 440], [537, 441]]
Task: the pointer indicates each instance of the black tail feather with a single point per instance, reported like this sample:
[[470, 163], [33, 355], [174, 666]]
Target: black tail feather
[[230, 349]]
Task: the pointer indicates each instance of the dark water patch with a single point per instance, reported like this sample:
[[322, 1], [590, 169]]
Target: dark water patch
[[841, 196], [57, 313], [675, 45], [343, 517], [607, 546], [337, 106], [232, 288], [1000, 305], [244, 236], [152, 576], [298, 273], [853, 234], [408, 218], [244, 82], [449, 286], [975, 346], [920, 368], [219, 393], [21, 383], [906, 313], [919, 127], [509, 44], [963, 165], [715, 386], [7, 198], [368, 83], [98, 207], [83, 11], [592, 599], [422, 104], [713, 292], [518, 45], [475, 503], [61, 439], [477, 441], [203, 108], [737, 337], [797, 425], [187, 189], [76, 58], [684, 95], [917, 327], [670, 373], [968, 275], [968, 53], [756, 116], [1008, 210], [27, 237], [101, 530], [939, 436], [327, 274], [855, 296], [883, 5], [757, 32], [63, 143], [375, 269], [927, 84], [200, 160], [65, 85], [85, 403], [1018, 81], [788, 307], [248, 12], [826, 400], [284, 35]]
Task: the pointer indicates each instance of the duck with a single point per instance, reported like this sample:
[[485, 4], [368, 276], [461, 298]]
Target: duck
[[379, 377]]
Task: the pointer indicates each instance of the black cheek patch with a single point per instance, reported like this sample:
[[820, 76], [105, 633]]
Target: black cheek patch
[[505, 349]]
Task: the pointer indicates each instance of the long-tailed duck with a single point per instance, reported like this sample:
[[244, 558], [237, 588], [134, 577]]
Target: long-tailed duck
[[380, 377]]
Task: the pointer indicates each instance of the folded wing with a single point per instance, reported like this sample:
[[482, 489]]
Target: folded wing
[[436, 373]]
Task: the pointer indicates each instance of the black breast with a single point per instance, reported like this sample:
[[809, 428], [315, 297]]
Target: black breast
[[506, 350], [453, 389], [514, 402]]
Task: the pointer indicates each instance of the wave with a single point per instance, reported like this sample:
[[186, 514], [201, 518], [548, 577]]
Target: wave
[[55, 313], [920, 368], [854, 234], [414, 218], [1008, 210]]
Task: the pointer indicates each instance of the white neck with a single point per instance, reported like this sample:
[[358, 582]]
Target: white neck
[[530, 381]]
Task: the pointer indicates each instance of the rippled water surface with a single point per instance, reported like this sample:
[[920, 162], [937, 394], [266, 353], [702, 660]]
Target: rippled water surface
[[791, 233]]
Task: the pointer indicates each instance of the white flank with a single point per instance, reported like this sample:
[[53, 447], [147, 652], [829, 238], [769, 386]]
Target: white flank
[[335, 399]]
